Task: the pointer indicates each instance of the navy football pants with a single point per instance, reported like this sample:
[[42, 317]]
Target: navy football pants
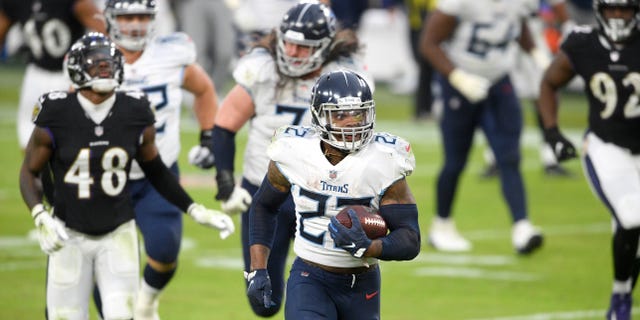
[[313, 293], [500, 118], [159, 221]]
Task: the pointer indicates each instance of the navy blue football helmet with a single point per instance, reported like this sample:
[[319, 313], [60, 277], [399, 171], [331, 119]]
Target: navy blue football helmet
[[343, 110], [617, 30], [94, 62], [309, 24], [131, 36]]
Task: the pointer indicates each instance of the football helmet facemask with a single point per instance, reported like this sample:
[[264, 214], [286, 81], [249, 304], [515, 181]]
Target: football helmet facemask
[[309, 24], [343, 110], [94, 62], [616, 29], [133, 35]]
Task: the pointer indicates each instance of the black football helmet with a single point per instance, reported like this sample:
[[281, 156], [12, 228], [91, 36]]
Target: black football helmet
[[308, 24], [131, 36], [617, 30], [339, 95], [94, 62]]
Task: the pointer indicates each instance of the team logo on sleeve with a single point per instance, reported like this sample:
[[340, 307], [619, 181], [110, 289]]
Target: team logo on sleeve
[[36, 111]]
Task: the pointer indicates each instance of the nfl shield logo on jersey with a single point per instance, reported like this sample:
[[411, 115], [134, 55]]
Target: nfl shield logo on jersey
[[98, 130], [333, 174]]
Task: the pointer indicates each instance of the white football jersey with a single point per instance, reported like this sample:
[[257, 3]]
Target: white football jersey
[[159, 72], [483, 40], [320, 190], [275, 104]]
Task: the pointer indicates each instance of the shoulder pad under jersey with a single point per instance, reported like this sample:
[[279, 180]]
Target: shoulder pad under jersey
[[255, 67], [399, 148], [48, 104]]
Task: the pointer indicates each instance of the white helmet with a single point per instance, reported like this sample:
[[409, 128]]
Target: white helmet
[[130, 37]]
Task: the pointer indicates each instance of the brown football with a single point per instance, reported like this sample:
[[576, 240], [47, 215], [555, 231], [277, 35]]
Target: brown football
[[372, 222]]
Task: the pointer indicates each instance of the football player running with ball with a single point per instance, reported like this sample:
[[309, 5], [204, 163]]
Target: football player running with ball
[[273, 85], [91, 137], [161, 66], [607, 59], [337, 161]]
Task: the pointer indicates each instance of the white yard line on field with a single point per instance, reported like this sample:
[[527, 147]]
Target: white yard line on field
[[474, 273], [561, 315]]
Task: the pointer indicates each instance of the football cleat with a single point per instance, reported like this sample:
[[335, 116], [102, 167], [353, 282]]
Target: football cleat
[[444, 236], [620, 308], [525, 237], [490, 171], [556, 170], [147, 301]]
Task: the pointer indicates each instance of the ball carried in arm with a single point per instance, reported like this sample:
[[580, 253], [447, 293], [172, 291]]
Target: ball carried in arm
[[372, 222]]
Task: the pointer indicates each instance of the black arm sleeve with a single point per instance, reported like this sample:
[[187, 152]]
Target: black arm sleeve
[[263, 212], [224, 147], [166, 183], [403, 242], [224, 150]]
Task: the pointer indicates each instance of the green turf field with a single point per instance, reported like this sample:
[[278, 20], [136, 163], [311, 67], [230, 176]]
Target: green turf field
[[570, 278]]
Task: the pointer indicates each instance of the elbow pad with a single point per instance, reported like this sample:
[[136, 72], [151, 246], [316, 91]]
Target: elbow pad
[[262, 214], [403, 242]]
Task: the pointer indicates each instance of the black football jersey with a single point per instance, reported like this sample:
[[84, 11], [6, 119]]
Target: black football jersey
[[612, 81], [49, 28], [91, 161]]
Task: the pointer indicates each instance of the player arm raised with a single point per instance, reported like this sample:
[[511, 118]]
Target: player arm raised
[[439, 27], [169, 187], [205, 107], [559, 73]]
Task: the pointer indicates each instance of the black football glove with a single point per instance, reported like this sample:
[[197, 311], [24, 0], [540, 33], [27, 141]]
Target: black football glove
[[201, 155], [259, 288], [561, 146], [353, 239], [226, 184]]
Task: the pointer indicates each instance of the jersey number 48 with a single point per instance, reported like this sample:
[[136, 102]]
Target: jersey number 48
[[113, 177]]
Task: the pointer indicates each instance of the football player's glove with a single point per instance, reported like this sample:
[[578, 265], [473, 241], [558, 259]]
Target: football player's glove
[[212, 218], [201, 155], [226, 184], [259, 288], [238, 202], [51, 232], [541, 58], [561, 146], [473, 87], [353, 239]]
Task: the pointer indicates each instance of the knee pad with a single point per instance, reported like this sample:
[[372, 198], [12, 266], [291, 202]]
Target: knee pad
[[65, 267], [627, 210], [118, 305]]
